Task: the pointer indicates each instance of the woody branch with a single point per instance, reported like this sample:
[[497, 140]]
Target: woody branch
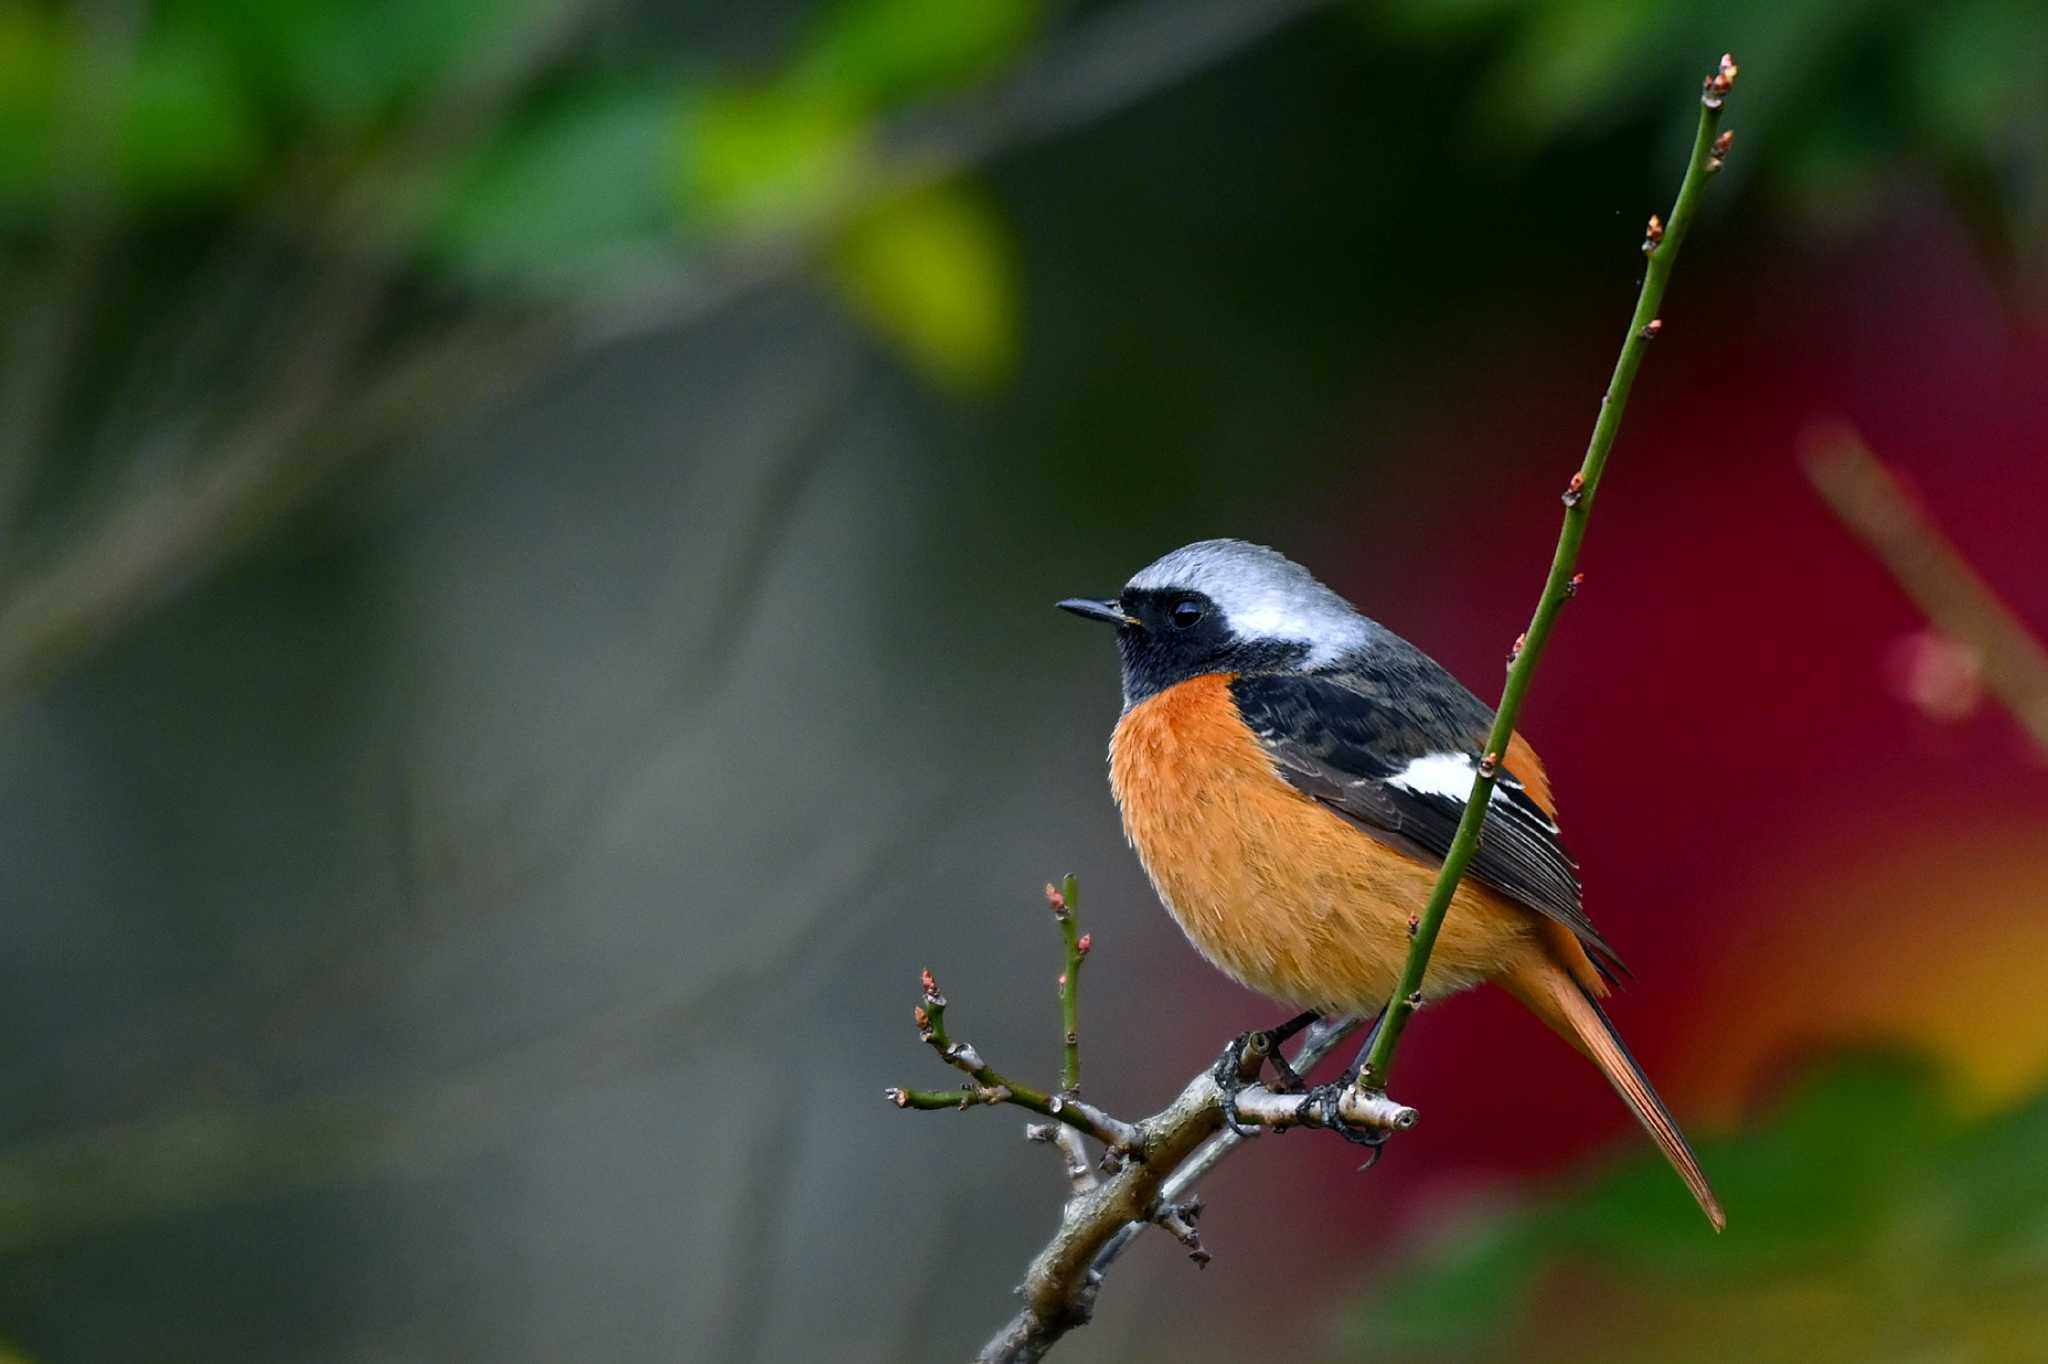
[[1147, 1169], [1150, 1166]]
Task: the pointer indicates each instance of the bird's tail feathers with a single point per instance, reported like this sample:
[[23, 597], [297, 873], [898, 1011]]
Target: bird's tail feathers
[[1548, 991]]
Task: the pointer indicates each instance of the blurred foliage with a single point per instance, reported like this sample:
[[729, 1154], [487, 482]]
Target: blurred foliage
[[608, 161], [877, 51], [766, 155], [570, 193], [1843, 89], [1867, 1221], [932, 270]]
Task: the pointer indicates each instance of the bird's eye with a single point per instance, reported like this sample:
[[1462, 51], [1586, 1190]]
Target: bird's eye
[[1186, 612]]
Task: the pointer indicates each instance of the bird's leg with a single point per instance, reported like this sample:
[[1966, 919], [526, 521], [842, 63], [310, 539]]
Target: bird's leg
[[1372, 1035], [1326, 1101], [1241, 1061], [1287, 1080]]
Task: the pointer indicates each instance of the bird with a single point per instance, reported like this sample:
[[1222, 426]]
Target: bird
[[1291, 772]]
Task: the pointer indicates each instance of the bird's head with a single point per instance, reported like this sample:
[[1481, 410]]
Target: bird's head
[[1223, 606]]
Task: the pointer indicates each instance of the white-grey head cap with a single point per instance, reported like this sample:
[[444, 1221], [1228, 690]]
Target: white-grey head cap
[[1262, 594]]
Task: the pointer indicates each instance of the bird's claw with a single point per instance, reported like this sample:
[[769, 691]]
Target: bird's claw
[[1248, 1051], [1324, 1106]]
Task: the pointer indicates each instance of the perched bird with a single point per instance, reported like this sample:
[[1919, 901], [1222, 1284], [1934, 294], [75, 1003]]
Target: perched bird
[[1291, 774]]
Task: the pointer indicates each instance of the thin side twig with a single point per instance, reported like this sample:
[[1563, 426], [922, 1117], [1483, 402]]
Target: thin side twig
[[1081, 1175], [991, 1087], [1066, 905]]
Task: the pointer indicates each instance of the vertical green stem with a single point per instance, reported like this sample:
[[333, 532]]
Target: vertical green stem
[[1070, 983], [1556, 589]]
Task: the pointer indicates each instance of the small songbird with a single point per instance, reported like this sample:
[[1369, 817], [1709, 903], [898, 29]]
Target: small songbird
[[1291, 774]]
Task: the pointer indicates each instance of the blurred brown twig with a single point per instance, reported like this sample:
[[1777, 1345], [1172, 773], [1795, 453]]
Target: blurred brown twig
[[1882, 512]]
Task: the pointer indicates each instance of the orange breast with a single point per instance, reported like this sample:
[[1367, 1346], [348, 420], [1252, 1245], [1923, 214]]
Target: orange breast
[[1280, 892]]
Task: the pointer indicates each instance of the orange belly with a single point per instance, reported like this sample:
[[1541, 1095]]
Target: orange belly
[[1281, 893]]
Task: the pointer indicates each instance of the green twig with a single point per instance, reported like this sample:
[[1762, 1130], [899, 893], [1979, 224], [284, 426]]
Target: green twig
[[1661, 248], [992, 1087], [1066, 907]]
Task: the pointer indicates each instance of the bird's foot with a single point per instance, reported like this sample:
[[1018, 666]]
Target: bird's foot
[[1239, 1066], [1324, 1106], [1248, 1054], [1245, 1052], [1286, 1079]]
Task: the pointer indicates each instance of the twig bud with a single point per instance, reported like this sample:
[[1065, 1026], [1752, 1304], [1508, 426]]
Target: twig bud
[[1415, 1000], [1653, 329], [1515, 651], [1571, 589], [1574, 490], [897, 1097], [923, 1018], [1057, 901], [1489, 764], [1414, 923], [1718, 155], [1653, 234], [1178, 1219], [1087, 941], [1717, 86]]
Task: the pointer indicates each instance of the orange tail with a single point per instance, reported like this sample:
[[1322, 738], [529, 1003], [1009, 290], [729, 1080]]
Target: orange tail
[[1549, 992]]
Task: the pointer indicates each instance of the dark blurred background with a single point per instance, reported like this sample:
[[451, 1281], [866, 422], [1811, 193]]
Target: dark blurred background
[[527, 541]]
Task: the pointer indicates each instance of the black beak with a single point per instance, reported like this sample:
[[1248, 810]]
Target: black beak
[[1088, 608]]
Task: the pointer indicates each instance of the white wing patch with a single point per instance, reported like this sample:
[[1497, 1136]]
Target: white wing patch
[[1450, 775], [1437, 774]]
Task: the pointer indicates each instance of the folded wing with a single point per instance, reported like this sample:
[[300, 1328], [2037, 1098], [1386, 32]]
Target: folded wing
[[1391, 742]]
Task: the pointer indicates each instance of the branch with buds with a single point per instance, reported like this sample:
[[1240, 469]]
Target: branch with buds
[[1149, 1167]]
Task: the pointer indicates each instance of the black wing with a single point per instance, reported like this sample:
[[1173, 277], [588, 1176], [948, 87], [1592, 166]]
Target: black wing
[[1391, 743]]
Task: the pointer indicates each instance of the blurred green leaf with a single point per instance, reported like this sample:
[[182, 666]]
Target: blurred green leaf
[[764, 156], [35, 62], [346, 63], [187, 130], [1562, 67], [1435, 20], [1977, 69], [878, 51], [183, 127], [569, 193], [932, 271], [1866, 1222]]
